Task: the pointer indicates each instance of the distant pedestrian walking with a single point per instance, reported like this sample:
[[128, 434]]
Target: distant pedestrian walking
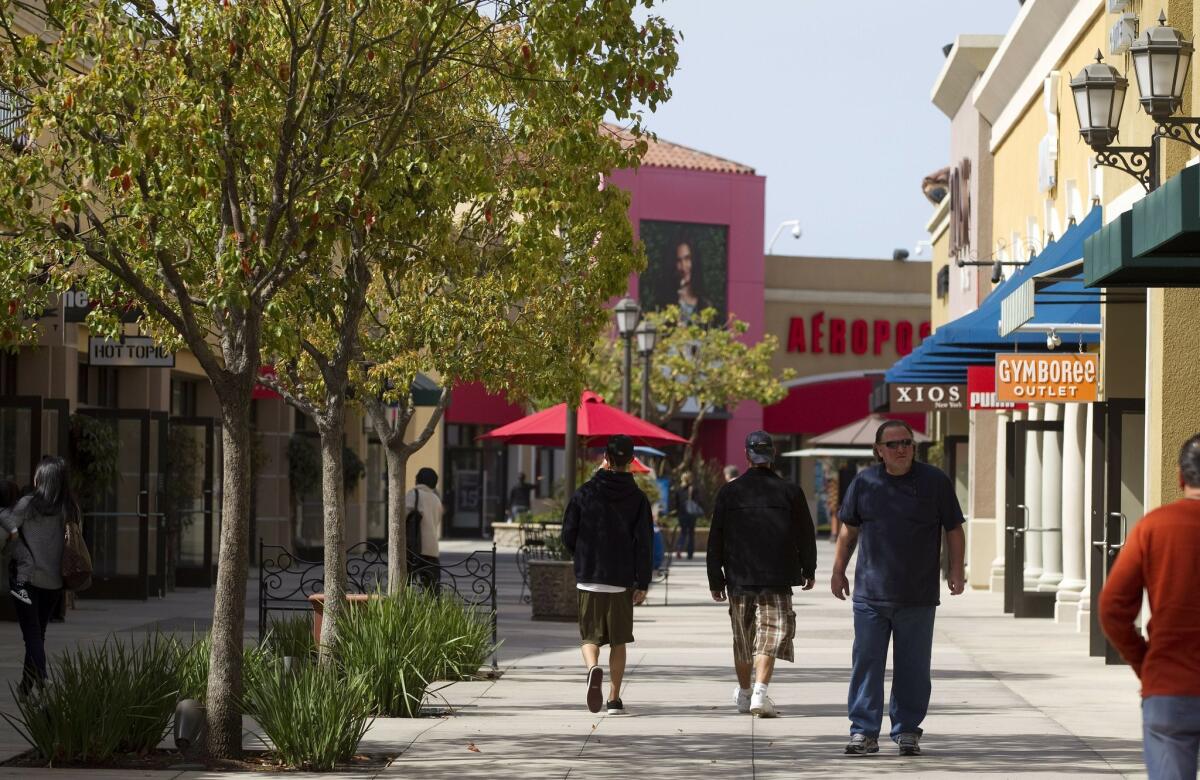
[[520, 498], [607, 528], [761, 543], [1160, 557], [42, 517], [898, 510], [424, 513], [688, 510]]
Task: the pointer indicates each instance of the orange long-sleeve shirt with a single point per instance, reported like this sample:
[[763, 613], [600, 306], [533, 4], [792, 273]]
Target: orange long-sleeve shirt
[[1162, 556]]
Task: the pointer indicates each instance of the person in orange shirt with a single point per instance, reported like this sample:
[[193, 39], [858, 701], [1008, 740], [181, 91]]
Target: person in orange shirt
[[1160, 557]]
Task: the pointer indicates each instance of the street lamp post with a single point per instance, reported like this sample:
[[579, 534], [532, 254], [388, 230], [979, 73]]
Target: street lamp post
[[1161, 59], [647, 336], [627, 319]]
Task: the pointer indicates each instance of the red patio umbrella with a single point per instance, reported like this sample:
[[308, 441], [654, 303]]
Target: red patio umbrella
[[597, 421]]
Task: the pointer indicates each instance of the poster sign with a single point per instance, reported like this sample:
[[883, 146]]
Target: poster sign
[[129, 351], [1048, 378], [926, 398], [687, 267], [981, 391]]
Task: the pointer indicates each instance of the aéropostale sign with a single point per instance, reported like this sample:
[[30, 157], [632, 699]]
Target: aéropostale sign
[[911, 397]]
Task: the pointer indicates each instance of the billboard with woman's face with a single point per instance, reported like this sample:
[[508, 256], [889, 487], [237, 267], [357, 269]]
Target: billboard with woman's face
[[686, 266]]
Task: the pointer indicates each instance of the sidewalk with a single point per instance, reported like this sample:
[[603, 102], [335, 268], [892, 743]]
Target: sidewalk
[[998, 709]]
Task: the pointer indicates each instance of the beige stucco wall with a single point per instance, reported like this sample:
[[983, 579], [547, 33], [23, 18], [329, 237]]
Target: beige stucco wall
[[845, 288]]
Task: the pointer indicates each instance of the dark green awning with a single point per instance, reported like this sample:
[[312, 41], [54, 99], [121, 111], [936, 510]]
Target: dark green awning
[[1155, 244], [425, 391]]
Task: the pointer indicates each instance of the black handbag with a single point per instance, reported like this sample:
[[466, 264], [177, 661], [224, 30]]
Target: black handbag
[[412, 525]]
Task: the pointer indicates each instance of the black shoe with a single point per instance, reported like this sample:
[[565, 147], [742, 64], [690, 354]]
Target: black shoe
[[21, 595], [861, 745], [910, 743], [594, 695], [615, 707]]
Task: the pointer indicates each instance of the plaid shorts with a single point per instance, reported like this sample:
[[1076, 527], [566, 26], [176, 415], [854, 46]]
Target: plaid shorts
[[763, 624]]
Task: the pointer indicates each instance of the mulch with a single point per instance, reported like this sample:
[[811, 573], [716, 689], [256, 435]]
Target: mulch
[[261, 761]]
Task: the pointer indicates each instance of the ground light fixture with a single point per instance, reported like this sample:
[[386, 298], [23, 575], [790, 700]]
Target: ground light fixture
[[627, 313], [1161, 59]]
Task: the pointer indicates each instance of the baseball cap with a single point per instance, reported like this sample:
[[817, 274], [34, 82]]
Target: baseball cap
[[619, 450], [760, 448]]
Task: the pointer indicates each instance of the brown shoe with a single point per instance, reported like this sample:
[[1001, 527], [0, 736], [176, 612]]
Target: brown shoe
[[595, 697]]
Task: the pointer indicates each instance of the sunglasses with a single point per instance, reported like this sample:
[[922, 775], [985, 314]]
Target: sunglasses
[[897, 443]]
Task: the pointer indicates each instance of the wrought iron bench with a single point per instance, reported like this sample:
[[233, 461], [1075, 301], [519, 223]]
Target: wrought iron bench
[[285, 581]]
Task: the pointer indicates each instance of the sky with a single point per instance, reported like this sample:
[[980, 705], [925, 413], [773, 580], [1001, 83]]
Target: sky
[[829, 101]]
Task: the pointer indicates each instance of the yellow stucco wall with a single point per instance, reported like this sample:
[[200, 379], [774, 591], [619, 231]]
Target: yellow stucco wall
[[939, 308]]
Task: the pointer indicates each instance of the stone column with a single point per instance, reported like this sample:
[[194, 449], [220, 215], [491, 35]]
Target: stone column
[[1032, 501], [997, 574], [1083, 618], [1052, 492], [1070, 589]]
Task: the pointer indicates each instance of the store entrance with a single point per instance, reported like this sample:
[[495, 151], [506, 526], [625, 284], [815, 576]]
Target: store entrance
[[123, 520], [1021, 599], [474, 488], [1118, 436]]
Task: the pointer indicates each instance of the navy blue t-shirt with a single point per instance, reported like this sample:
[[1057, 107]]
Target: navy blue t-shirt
[[900, 522]]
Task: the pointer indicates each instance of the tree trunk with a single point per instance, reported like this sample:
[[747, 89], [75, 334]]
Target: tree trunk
[[397, 463], [333, 500], [689, 451], [224, 693]]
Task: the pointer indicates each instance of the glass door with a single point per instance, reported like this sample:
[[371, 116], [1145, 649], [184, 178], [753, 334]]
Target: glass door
[[464, 493], [1118, 502], [189, 501], [1020, 599]]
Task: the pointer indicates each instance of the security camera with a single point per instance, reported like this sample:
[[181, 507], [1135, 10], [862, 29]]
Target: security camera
[[1053, 340], [795, 231], [997, 272]]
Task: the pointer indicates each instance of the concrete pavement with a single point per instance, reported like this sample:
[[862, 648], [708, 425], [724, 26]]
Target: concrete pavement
[[999, 708]]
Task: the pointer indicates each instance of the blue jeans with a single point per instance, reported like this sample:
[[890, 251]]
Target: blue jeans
[[1171, 736], [912, 631]]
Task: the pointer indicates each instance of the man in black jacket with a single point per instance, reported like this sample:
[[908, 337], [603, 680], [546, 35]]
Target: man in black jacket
[[762, 542], [607, 528]]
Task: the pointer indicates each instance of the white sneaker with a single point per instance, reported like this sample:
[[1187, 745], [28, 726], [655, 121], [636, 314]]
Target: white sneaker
[[762, 706], [741, 697]]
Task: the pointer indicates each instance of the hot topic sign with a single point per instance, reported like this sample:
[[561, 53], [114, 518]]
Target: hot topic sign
[[1049, 378], [129, 351]]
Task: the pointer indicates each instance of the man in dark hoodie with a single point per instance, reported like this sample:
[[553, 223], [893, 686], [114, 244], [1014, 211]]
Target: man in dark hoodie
[[762, 542], [607, 528]]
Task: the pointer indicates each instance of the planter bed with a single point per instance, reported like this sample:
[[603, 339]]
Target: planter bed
[[252, 761]]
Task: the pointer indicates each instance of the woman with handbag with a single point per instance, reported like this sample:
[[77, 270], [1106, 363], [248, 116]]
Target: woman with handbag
[[424, 513], [688, 510], [42, 518]]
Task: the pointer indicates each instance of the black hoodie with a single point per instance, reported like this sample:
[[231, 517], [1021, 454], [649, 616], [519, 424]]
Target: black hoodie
[[607, 528]]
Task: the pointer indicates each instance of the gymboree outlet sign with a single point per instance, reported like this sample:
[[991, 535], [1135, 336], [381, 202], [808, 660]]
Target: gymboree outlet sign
[[837, 336], [1051, 378], [926, 398], [129, 351]]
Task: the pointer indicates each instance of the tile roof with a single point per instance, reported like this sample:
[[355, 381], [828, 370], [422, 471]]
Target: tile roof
[[664, 154]]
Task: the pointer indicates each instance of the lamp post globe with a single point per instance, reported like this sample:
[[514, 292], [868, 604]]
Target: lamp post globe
[[647, 337], [627, 316], [1099, 92], [1161, 58]]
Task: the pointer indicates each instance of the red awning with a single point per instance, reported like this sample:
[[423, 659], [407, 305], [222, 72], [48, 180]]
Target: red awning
[[472, 404], [823, 406]]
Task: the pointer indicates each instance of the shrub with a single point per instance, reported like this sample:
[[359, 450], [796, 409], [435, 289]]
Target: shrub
[[102, 700], [389, 639], [291, 636], [314, 717], [465, 636], [193, 665]]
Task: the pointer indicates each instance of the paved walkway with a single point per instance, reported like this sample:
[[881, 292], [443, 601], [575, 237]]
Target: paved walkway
[[1011, 698]]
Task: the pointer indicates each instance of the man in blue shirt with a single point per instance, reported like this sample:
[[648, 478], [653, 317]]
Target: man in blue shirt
[[897, 509]]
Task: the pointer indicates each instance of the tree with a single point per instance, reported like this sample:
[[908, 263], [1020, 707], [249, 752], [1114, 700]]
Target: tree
[[193, 159], [703, 361]]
